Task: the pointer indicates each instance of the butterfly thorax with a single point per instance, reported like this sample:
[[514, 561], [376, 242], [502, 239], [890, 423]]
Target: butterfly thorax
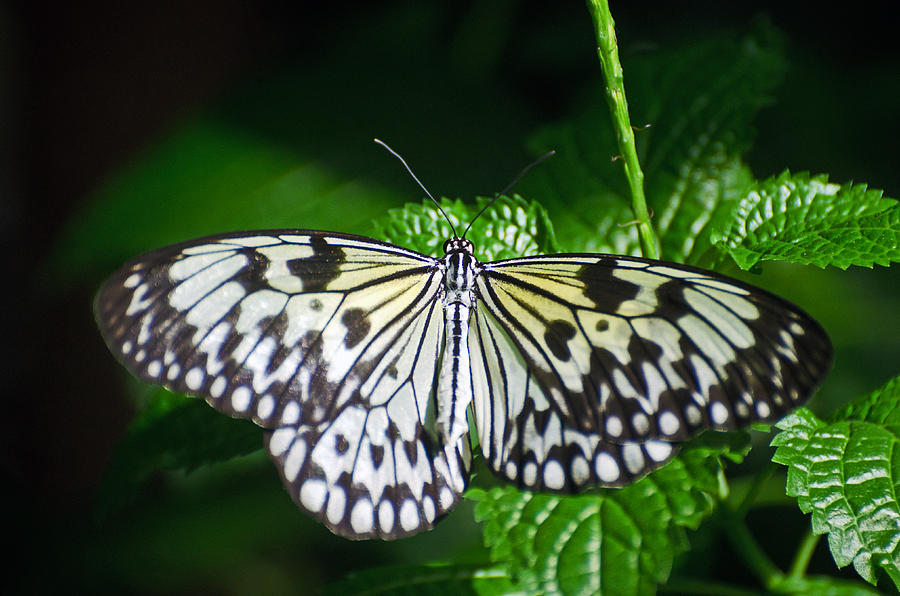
[[460, 270], [455, 383]]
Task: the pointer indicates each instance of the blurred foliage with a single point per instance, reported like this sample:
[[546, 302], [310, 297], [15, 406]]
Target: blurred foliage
[[291, 147]]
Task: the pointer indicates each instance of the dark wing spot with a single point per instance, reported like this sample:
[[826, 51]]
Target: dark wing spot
[[377, 455], [317, 270], [671, 299], [412, 454], [602, 325], [341, 444], [357, 322], [557, 337], [605, 290], [253, 275]]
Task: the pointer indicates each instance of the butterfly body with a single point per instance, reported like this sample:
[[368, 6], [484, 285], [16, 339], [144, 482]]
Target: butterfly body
[[362, 360]]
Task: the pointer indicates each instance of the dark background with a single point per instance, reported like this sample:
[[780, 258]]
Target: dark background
[[85, 87]]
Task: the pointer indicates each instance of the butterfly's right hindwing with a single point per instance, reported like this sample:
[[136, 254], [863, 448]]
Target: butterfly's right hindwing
[[330, 341]]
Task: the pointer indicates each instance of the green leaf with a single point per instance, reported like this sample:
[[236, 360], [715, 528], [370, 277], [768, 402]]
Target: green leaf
[[511, 227], [620, 541], [172, 432], [412, 580], [847, 474], [699, 101], [809, 220]]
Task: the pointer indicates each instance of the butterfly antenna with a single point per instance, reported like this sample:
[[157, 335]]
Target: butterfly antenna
[[422, 186], [524, 171]]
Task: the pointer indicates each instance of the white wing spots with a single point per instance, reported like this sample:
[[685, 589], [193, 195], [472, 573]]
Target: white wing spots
[[693, 414], [281, 440], [669, 423], [606, 467], [796, 328], [787, 347], [428, 509], [614, 426], [173, 371], [554, 475], [718, 413], [218, 386], [362, 517], [763, 410], [633, 457], [529, 473], [154, 369], [294, 461], [409, 515], [265, 407], [127, 346], [511, 469], [138, 302], [290, 415], [241, 399], [144, 332], [640, 423], [132, 280], [313, 492], [337, 504], [659, 451], [580, 470], [386, 516], [446, 498]]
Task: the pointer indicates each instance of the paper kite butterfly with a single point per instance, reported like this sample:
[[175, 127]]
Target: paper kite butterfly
[[363, 360]]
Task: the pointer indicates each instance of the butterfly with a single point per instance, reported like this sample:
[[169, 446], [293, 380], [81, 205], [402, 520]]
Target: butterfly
[[364, 361]]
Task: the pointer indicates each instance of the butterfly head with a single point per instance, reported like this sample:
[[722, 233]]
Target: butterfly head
[[458, 245]]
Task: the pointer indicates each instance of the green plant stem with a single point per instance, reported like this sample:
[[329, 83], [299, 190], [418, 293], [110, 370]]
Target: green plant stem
[[759, 481], [608, 52], [804, 554], [748, 549]]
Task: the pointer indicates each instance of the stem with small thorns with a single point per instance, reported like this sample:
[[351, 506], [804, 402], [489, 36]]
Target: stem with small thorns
[[608, 52]]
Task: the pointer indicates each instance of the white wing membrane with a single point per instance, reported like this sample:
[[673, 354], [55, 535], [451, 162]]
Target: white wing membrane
[[591, 368], [329, 340], [524, 436]]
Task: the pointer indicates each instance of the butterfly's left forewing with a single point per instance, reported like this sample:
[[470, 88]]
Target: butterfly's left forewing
[[329, 341], [589, 369]]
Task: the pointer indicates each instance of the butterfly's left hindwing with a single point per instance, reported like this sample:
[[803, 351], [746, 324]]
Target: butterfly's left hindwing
[[329, 341]]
